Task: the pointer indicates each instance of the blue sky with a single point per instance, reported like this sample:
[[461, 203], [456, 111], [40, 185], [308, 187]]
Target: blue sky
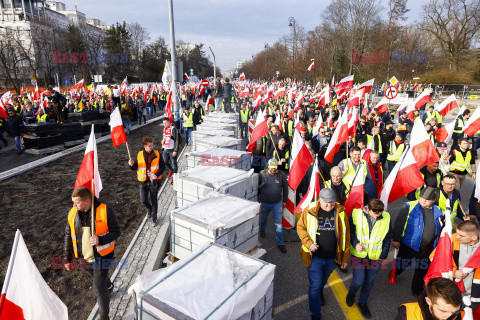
[[234, 29]]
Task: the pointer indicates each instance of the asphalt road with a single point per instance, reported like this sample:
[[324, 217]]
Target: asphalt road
[[291, 282]]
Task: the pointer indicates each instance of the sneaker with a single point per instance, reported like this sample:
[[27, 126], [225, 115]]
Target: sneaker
[[322, 299], [170, 174], [263, 234], [350, 299], [364, 310], [282, 248], [154, 223]]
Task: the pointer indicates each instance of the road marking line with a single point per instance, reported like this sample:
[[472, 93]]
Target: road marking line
[[300, 299], [340, 291]]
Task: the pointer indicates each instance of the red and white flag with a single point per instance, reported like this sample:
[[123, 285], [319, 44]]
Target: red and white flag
[[404, 178], [169, 107], [318, 124], [209, 102], [116, 128], [448, 104], [340, 135], [257, 102], [422, 146], [367, 86], [300, 161], [186, 77], [343, 86], [244, 93], [473, 124], [324, 97], [423, 98], [312, 65], [382, 105], [89, 168], [445, 133], [4, 101], [352, 123], [259, 131], [242, 77], [312, 192], [123, 87], [25, 294], [279, 93], [202, 86], [442, 262], [299, 100], [355, 196], [79, 85], [36, 94]]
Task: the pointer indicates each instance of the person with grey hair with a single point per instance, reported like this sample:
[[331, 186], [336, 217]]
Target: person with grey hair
[[337, 184], [282, 155]]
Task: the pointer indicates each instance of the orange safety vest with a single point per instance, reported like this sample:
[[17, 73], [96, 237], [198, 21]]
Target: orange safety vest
[[415, 313], [101, 229], [142, 166]]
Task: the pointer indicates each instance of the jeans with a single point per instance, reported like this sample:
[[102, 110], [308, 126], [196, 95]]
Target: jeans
[[244, 130], [127, 123], [390, 165], [188, 134], [149, 188], [318, 274], [140, 116], [101, 282], [218, 104], [364, 273], [167, 154], [150, 112], [18, 143], [227, 104], [277, 213]]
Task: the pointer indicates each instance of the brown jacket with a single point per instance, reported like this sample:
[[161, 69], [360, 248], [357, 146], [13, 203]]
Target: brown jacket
[[342, 255]]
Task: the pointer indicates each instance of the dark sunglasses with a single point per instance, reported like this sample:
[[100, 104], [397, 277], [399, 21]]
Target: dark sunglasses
[[377, 210]]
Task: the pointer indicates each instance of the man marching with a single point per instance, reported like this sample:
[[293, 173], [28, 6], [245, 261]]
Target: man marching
[[170, 146], [149, 166]]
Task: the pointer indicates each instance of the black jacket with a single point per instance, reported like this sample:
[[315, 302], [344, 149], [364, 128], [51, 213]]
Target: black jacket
[[218, 91], [227, 90], [14, 125], [84, 219]]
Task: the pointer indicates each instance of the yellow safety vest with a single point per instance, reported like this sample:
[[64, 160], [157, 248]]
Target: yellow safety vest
[[396, 151], [461, 164], [244, 115], [442, 204], [372, 242], [188, 120], [328, 184], [369, 140], [42, 118], [350, 175], [101, 229], [434, 114], [312, 227], [461, 124], [287, 157]]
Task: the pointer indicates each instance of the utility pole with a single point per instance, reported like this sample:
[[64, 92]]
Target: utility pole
[[176, 109], [214, 66]]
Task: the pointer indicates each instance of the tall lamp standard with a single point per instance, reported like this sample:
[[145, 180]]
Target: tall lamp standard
[[292, 23]]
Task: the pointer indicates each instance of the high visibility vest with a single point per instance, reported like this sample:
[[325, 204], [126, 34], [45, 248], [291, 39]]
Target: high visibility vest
[[310, 128], [312, 226], [42, 118], [372, 241], [396, 151], [402, 127], [413, 311], [328, 184], [419, 189], [142, 166], [290, 128], [442, 204], [350, 175], [372, 142], [434, 114], [287, 156], [461, 164], [188, 120], [101, 229], [460, 124], [244, 115]]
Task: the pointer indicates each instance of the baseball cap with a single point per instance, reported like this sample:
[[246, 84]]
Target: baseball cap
[[442, 146], [303, 128], [328, 195], [428, 193], [273, 163]]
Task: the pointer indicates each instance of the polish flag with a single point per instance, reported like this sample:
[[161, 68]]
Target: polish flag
[[116, 128], [123, 87], [25, 294], [4, 101], [259, 131], [423, 98], [442, 262], [473, 124], [382, 105], [244, 93], [340, 135], [355, 99], [300, 161], [89, 168], [422, 146], [404, 178], [367, 86], [265, 98], [410, 110], [256, 103], [342, 87], [324, 96], [36, 94], [169, 107], [355, 196], [445, 133], [209, 102], [279, 93], [299, 101], [242, 77], [186, 77], [448, 104], [318, 124], [79, 85], [352, 123], [312, 65], [312, 192], [292, 93]]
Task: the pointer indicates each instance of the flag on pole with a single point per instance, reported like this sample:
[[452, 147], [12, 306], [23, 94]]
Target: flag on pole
[[473, 124], [300, 161], [445, 133], [79, 85], [259, 131], [423, 98], [36, 94], [25, 294], [422, 146], [355, 196], [312, 192], [242, 76], [89, 168], [312, 65], [448, 104], [343, 86], [367, 86], [116, 128], [340, 135], [382, 105], [123, 87]]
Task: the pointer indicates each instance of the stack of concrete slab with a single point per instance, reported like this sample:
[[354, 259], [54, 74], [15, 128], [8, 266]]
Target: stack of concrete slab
[[221, 219], [220, 157], [212, 133], [212, 142], [221, 121], [214, 282], [219, 126], [200, 182], [221, 115]]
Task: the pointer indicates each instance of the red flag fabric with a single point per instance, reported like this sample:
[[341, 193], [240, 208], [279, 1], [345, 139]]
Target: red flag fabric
[[312, 65], [89, 168], [473, 124], [242, 76], [169, 107], [78, 85], [422, 146], [448, 104], [355, 198], [344, 85], [117, 131], [259, 131], [300, 161], [36, 94], [340, 135], [25, 294], [367, 86], [423, 98], [312, 192], [445, 133], [279, 93], [382, 105]]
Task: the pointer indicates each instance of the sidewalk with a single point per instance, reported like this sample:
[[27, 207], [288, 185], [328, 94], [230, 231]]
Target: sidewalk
[[145, 252]]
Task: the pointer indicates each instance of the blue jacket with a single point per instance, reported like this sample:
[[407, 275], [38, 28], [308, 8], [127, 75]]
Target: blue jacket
[[415, 224]]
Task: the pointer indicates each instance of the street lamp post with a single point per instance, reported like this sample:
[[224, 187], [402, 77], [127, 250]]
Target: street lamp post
[[214, 66], [292, 23], [176, 110]]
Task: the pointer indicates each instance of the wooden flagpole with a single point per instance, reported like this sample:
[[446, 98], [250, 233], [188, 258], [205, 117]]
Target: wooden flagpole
[[128, 150]]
